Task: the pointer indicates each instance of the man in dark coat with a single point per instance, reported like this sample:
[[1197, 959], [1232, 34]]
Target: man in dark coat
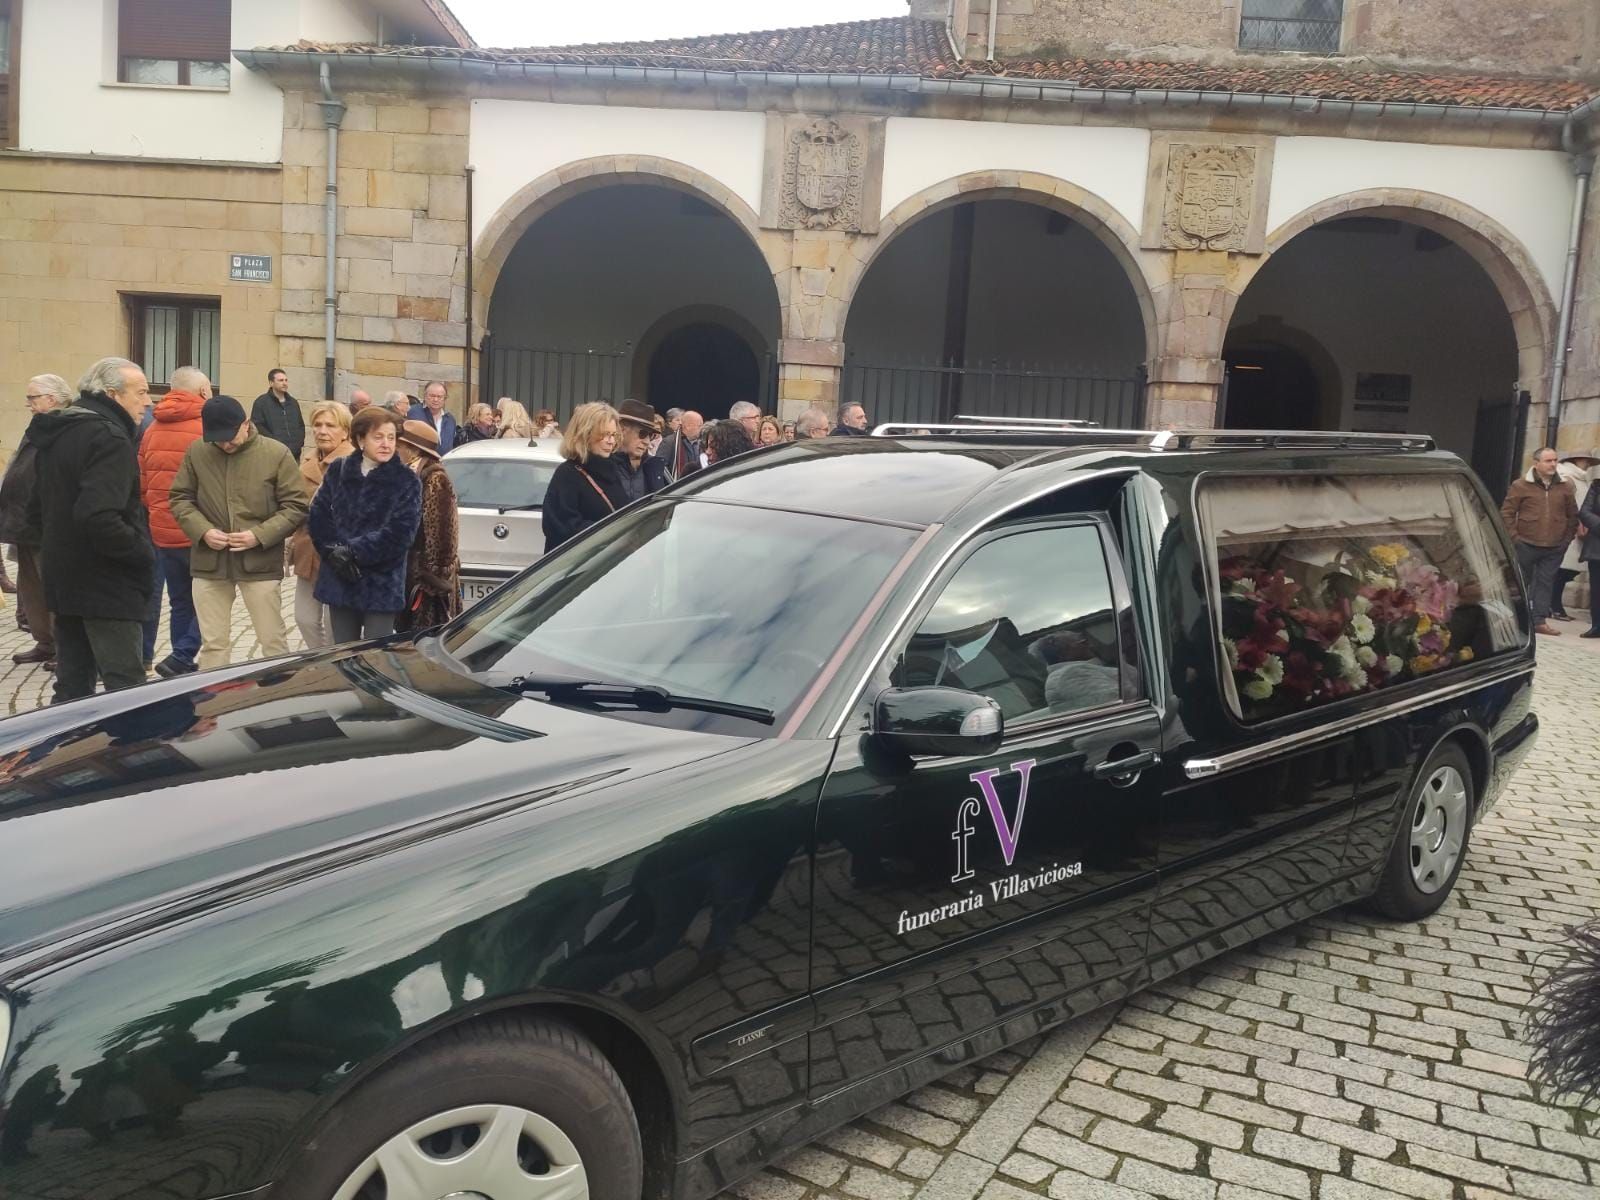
[[852, 421], [680, 452], [276, 414], [88, 517], [639, 472], [432, 411], [45, 394]]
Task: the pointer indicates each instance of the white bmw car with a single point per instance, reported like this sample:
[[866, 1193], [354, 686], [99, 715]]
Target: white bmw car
[[500, 486]]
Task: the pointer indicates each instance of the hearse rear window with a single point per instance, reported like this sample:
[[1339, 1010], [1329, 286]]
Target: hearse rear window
[[1331, 586]]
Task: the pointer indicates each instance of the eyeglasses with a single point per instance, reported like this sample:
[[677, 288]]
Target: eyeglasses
[[34, 396]]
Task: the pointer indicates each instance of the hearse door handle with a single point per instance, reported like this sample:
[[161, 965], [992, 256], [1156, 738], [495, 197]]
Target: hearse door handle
[[1118, 769]]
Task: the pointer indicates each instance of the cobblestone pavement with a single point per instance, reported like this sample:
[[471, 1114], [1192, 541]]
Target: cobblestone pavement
[[1349, 1058]]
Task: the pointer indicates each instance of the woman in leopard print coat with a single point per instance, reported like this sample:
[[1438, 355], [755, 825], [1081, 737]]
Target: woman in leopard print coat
[[433, 568]]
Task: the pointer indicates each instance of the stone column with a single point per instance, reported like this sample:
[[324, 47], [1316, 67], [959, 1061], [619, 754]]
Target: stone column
[[1206, 200], [808, 375], [1580, 408]]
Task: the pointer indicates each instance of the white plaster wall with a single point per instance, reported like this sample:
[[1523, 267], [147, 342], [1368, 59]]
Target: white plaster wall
[[1529, 192], [1111, 163], [514, 142], [333, 20], [72, 104]]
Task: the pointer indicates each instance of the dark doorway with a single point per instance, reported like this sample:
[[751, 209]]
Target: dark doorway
[[1271, 387], [706, 367]]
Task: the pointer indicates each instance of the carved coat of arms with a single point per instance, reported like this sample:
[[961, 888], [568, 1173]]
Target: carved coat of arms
[[822, 185], [1208, 198]]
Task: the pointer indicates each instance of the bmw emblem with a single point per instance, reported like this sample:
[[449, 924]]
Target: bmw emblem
[[502, 532]]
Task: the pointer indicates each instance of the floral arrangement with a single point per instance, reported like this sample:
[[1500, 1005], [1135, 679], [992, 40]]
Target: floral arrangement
[[1371, 618]]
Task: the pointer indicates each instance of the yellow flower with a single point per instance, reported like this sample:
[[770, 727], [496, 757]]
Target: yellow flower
[[1423, 624], [1389, 554], [1465, 654], [1444, 637], [1422, 664]]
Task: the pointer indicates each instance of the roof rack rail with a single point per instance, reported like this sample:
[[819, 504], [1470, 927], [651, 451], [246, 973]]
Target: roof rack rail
[[1054, 422], [1197, 439], [1060, 431], [1161, 439]]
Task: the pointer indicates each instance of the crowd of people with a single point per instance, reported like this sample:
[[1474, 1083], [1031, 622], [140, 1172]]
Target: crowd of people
[[188, 496]]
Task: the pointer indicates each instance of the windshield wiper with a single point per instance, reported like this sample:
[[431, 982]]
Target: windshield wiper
[[504, 509], [641, 696]]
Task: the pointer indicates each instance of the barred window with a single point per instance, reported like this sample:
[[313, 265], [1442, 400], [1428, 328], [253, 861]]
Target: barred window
[[1331, 586], [173, 332], [1296, 26]]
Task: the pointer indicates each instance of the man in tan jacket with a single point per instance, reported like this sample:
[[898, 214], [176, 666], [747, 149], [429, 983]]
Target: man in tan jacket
[[237, 495], [1541, 514]]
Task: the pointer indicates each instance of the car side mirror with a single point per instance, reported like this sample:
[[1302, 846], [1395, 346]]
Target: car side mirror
[[937, 720]]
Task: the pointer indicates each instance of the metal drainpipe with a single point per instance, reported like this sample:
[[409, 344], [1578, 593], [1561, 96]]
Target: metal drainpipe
[[994, 20], [1583, 168], [466, 350], [332, 116]]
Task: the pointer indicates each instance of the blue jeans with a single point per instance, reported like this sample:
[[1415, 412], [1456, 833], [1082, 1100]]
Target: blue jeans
[[173, 565]]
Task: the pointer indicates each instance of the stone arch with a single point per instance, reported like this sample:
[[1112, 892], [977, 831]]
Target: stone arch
[[1494, 248], [1315, 355], [538, 197], [1104, 222], [715, 314]]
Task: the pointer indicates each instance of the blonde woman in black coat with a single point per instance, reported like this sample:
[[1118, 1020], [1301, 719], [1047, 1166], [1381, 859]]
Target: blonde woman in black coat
[[586, 488]]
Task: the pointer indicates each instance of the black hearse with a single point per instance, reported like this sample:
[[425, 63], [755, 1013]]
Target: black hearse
[[763, 802]]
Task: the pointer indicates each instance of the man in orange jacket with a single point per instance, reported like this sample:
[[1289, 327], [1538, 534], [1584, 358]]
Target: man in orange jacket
[[177, 424]]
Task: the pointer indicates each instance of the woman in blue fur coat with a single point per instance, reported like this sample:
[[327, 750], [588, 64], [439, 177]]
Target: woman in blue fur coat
[[362, 522]]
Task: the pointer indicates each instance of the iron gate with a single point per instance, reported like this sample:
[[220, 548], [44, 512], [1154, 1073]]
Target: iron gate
[[559, 380], [911, 393], [1499, 440]]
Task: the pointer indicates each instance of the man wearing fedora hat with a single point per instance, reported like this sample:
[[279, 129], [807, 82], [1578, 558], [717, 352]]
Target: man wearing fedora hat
[[237, 495], [433, 565], [640, 472]]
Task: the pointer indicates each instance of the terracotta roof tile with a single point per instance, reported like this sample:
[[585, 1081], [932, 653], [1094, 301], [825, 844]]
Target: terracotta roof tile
[[904, 45]]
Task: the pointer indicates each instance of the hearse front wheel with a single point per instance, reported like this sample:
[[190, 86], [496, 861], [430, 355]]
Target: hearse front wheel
[[505, 1107], [1431, 842]]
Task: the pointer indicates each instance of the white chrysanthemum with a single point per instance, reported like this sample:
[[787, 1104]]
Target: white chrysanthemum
[[1367, 656], [1242, 587], [1271, 671], [1231, 649], [1258, 689], [1362, 627], [1360, 605], [1393, 664]]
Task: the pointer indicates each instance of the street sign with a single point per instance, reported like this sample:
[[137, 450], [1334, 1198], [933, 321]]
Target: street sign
[[252, 268]]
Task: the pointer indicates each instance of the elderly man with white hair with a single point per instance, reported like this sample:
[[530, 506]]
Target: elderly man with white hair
[[45, 394], [99, 563]]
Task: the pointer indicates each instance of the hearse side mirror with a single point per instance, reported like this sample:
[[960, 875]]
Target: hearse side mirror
[[937, 720]]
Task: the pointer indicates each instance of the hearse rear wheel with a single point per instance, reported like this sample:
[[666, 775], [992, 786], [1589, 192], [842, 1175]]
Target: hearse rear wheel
[[509, 1106], [1431, 842]]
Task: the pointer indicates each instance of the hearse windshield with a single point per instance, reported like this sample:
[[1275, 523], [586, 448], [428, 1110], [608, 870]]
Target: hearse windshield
[[694, 615]]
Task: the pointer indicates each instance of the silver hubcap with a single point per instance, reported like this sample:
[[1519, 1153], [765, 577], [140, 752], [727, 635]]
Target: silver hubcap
[[1438, 829], [485, 1152]]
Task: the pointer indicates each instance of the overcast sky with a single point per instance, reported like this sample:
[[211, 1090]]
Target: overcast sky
[[565, 22]]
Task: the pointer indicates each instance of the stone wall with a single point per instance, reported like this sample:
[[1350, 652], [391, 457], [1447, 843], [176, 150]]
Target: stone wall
[[1537, 38], [81, 235], [1556, 35], [401, 254]]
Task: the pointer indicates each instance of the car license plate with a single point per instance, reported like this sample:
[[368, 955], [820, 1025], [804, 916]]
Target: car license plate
[[473, 590]]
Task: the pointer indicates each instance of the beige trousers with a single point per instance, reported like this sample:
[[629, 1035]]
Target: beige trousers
[[213, 607]]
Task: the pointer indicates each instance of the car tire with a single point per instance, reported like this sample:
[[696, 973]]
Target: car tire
[[469, 1109], [1432, 838]]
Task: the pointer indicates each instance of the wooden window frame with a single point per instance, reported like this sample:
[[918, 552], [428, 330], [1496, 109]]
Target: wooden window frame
[[136, 304]]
